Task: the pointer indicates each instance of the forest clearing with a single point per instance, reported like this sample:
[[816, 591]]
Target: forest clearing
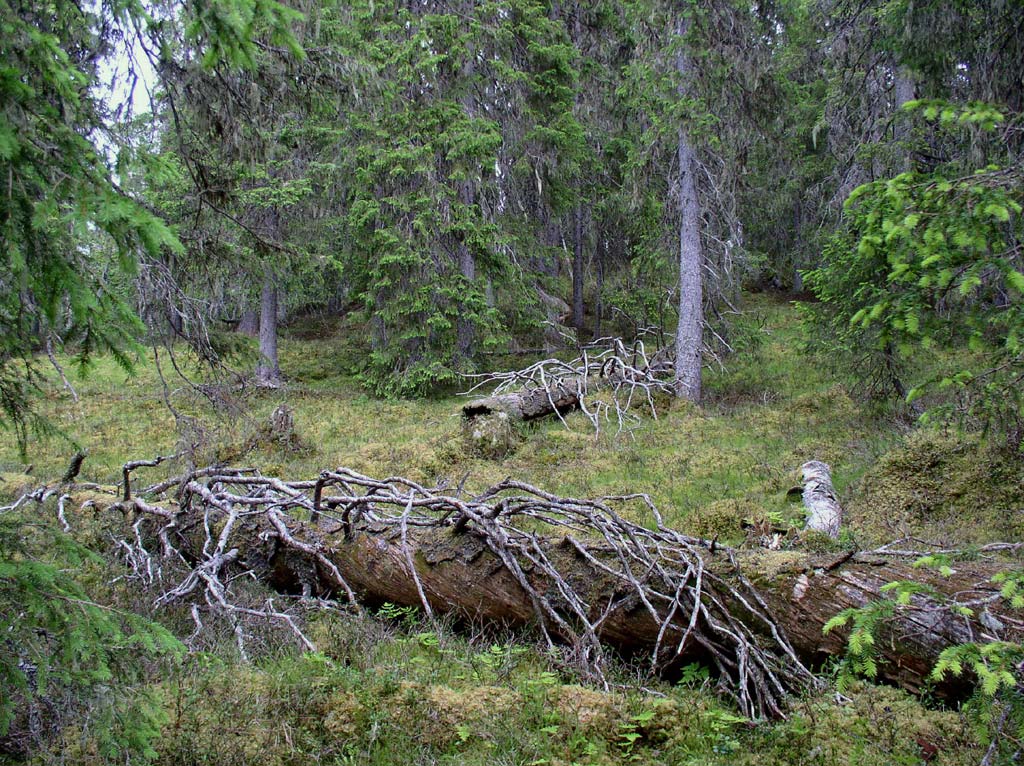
[[519, 382]]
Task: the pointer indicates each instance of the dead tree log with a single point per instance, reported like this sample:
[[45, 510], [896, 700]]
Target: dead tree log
[[824, 513], [576, 569], [628, 374], [531, 403]]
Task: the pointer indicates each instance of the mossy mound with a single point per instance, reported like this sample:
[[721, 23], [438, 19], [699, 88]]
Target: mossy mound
[[15, 484], [588, 710], [722, 520], [873, 724], [443, 715], [947, 489], [491, 436]]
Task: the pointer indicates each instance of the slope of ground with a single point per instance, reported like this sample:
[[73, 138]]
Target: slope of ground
[[394, 689]]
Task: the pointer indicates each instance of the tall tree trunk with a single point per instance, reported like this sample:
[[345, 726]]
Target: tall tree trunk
[[465, 329], [904, 90], [249, 324], [268, 372], [577, 272], [690, 331], [601, 255]]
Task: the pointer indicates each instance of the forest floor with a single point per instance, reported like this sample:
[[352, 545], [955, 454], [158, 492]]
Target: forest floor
[[396, 689]]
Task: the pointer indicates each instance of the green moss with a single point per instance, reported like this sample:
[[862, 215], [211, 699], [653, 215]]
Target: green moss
[[722, 520], [490, 436], [949, 489], [873, 725], [708, 469], [766, 566], [813, 541]]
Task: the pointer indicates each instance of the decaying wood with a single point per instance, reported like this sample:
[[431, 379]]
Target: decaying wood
[[586, 577], [824, 513], [630, 376]]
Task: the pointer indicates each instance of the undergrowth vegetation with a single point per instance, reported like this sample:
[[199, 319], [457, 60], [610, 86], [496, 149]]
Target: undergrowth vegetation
[[392, 687]]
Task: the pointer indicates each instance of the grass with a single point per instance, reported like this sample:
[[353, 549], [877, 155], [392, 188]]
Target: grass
[[769, 412], [393, 689]]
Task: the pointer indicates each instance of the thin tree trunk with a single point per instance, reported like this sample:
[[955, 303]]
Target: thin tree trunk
[[552, 239], [904, 90], [465, 329], [577, 272], [599, 275], [268, 372], [690, 331]]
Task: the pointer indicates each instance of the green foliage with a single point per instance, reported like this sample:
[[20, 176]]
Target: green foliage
[[862, 656], [70, 235], [59, 643], [1011, 587], [993, 663], [422, 247], [406, 615], [64, 225], [769, 412], [226, 31], [928, 261]]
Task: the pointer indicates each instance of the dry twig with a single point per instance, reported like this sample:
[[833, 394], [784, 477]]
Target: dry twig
[[607, 382]]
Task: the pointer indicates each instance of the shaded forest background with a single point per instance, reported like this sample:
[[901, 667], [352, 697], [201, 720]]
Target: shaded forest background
[[478, 179]]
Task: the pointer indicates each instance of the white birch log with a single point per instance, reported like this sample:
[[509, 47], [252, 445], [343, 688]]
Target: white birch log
[[824, 513]]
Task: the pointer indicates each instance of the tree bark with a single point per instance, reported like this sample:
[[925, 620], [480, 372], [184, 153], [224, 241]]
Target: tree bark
[[249, 324], [530, 405], [904, 90], [824, 513], [575, 569], [601, 256], [577, 272], [268, 371], [803, 592], [565, 385], [465, 329], [690, 331]]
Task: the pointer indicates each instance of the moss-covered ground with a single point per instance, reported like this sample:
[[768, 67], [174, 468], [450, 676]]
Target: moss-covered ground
[[392, 689]]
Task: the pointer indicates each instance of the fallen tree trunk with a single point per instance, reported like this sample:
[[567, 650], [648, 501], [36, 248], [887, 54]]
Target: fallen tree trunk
[[577, 570], [533, 403], [800, 593], [553, 387]]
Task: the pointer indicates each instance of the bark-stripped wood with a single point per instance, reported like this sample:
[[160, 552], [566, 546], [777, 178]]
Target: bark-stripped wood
[[575, 569], [531, 404], [824, 513]]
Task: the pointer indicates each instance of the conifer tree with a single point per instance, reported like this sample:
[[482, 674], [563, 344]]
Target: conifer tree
[[67, 226]]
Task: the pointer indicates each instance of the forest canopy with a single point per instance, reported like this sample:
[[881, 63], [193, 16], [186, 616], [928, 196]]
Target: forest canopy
[[442, 168]]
